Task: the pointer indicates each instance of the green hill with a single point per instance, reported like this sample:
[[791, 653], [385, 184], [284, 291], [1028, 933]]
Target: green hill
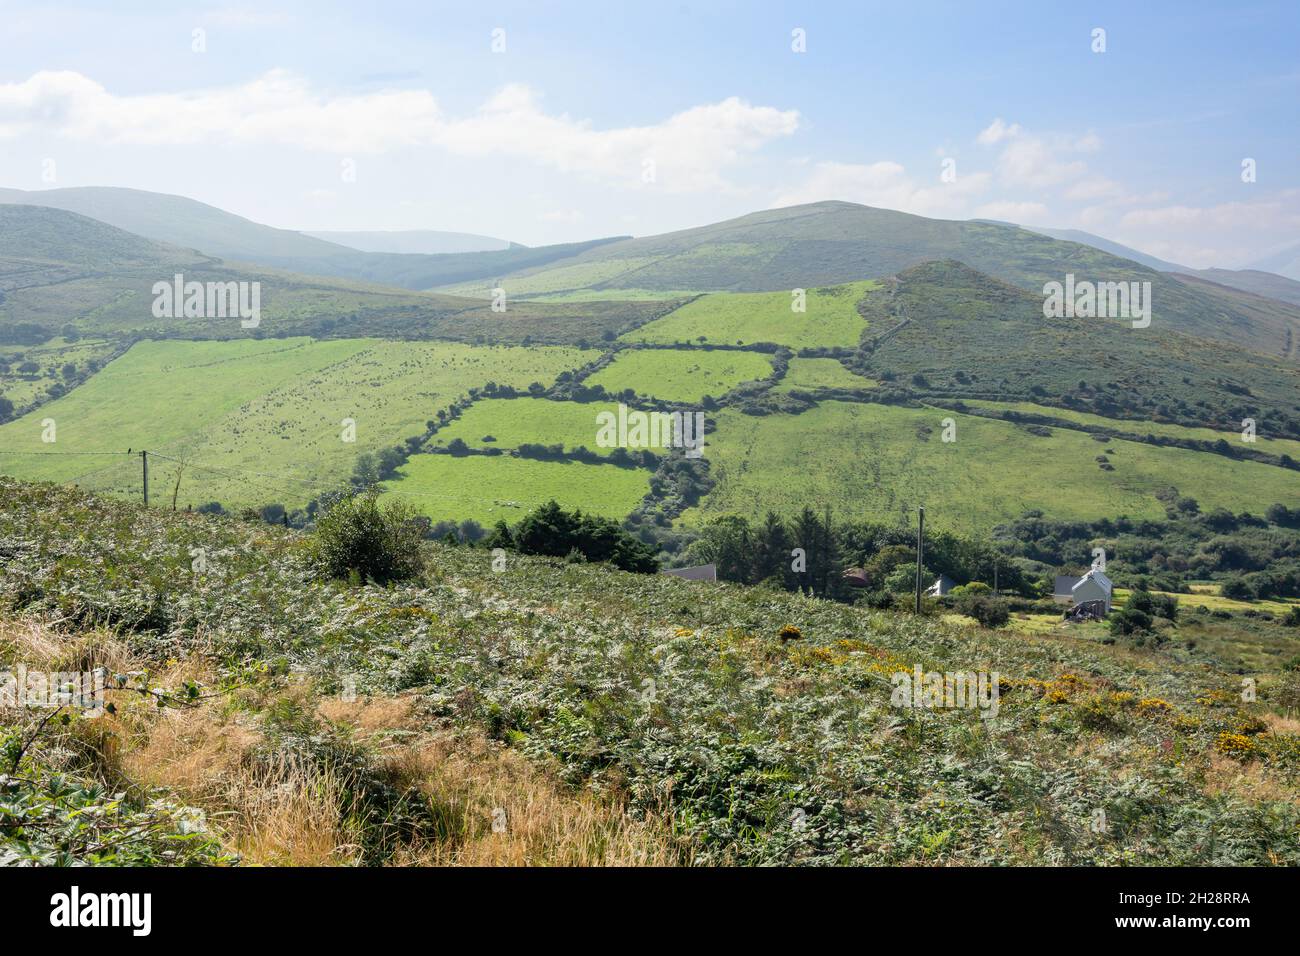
[[178, 221], [834, 242], [1267, 284], [60, 268], [187, 223], [412, 241], [945, 329]]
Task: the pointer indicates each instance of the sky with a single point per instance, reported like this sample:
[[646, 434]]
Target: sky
[[1174, 131]]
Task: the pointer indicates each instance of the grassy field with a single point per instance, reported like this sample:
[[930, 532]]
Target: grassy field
[[554, 280], [261, 421], [1272, 446], [488, 490], [1214, 601], [876, 461], [28, 388], [745, 318], [813, 373], [679, 375], [517, 421]]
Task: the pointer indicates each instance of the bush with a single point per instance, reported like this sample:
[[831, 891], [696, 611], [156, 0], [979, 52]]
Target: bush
[[1130, 621], [550, 530], [358, 536], [989, 612], [1237, 588]]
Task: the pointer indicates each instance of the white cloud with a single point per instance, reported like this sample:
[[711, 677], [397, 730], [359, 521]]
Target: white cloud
[[244, 17], [1037, 162], [1226, 234], [997, 131], [1094, 188], [1010, 211], [1029, 161], [886, 184], [561, 215], [690, 149]]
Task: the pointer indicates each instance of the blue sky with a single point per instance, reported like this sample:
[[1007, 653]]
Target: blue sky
[[601, 119]]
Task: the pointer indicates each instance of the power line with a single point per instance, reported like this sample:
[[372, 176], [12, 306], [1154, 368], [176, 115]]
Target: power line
[[3, 453]]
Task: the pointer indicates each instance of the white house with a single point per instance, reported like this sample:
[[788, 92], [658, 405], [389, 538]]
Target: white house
[[941, 586], [1093, 586]]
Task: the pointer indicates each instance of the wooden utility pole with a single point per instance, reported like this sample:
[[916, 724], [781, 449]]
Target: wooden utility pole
[[920, 555], [995, 575], [144, 467]]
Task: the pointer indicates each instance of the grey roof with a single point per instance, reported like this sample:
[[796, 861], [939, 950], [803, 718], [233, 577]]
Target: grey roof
[[703, 572], [1097, 576], [1065, 584]]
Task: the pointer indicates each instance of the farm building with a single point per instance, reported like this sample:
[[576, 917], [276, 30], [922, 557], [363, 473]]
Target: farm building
[[1062, 593], [703, 572], [1093, 586], [941, 586]]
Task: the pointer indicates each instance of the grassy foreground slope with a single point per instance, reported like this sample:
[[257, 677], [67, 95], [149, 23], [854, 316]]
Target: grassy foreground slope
[[882, 462], [245, 412], [671, 700]]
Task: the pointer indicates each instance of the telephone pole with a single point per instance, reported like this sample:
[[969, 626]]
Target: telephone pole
[[144, 467], [920, 555]]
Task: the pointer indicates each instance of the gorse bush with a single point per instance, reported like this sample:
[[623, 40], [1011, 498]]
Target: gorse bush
[[379, 543], [989, 611]]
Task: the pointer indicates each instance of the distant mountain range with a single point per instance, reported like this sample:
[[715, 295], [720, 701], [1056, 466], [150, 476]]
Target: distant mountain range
[[1271, 281], [190, 224], [796, 247], [59, 268], [1284, 263], [415, 242], [832, 242]]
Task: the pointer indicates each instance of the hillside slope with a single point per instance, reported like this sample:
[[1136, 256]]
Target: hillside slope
[[178, 221], [412, 241], [1255, 281], [59, 268], [967, 334], [832, 242], [680, 700], [190, 224], [1284, 263]]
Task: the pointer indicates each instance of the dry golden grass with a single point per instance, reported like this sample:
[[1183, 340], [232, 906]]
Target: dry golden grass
[[1279, 724], [1249, 781], [476, 783], [286, 812]]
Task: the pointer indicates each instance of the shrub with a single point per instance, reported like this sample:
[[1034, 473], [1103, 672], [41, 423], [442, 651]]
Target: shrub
[[376, 543], [1131, 620], [1238, 589], [989, 612]]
